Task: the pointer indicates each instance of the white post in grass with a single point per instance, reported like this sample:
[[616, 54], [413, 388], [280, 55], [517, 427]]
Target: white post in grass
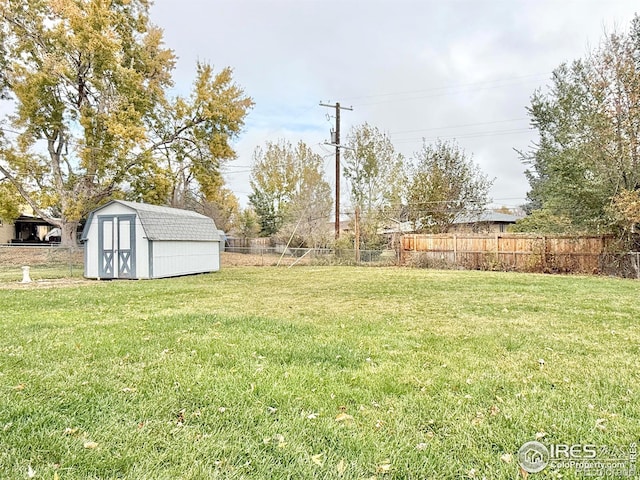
[[25, 275]]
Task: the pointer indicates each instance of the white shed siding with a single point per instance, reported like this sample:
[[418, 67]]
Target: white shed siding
[[172, 258], [168, 242], [142, 252], [91, 260], [91, 251]]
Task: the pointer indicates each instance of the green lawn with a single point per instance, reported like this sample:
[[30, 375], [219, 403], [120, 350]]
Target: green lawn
[[314, 372]]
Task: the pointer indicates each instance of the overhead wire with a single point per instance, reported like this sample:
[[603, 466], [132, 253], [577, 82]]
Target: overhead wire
[[447, 90], [469, 135], [410, 92]]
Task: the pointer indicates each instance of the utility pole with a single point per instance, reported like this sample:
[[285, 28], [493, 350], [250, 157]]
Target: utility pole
[[335, 141]]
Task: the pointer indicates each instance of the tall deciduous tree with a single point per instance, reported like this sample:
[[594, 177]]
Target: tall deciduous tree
[[9, 201], [376, 173], [248, 223], [445, 183], [192, 135], [223, 207], [589, 126], [289, 188], [88, 81]]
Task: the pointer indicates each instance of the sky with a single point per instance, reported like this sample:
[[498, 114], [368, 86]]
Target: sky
[[419, 70]]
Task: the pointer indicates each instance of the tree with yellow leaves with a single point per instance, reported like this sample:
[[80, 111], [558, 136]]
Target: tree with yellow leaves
[[92, 120]]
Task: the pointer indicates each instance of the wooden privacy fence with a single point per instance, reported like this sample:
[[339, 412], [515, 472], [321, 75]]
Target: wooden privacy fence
[[507, 251]]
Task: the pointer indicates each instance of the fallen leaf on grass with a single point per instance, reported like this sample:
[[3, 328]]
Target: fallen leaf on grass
[[70, 431], [277, 439], [90, 445], [180, 418], [384, 467], [479, 419], [600, 424], [128, 389], [31, 473], [317, 459], [495, 410], [19, 388], [344, 417], [421, 446], [341, 467], [540, 435], [506, 458]]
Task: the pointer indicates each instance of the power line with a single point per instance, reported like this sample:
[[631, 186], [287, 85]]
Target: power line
[[454, 91], [471, 135], [460, 85], [459, 126]]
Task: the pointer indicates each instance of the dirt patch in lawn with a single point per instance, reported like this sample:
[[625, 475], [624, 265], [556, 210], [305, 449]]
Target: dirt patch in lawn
[[44, 284], [229, 259], [16, 256]]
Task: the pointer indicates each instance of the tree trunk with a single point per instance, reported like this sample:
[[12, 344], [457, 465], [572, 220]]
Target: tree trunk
[[69, 237]]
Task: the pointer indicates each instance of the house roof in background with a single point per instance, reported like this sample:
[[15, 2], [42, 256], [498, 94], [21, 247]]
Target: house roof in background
[[481, 217], [31, 219], [166, 223], [488, 216]]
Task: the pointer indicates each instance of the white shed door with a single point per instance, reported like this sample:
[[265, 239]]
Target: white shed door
[[116, 246]]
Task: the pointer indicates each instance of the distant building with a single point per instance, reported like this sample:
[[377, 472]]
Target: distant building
[[484, 222], [27, 228]]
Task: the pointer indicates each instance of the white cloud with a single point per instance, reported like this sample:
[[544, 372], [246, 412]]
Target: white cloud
[[465, 62]]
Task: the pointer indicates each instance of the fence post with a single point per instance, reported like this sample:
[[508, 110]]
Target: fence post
[[455, 249]]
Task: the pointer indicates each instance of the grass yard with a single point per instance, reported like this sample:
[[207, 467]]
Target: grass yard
[[314, 372]]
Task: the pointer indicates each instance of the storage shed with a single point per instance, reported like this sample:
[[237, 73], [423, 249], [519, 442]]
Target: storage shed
[[135, 240]]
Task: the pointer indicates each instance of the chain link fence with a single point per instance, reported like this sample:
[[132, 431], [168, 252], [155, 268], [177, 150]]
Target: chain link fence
[[54, 261], [271, 256], [45, 261]]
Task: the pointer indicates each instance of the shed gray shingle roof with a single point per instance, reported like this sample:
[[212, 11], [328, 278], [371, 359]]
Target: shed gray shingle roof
[[166, 223]]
